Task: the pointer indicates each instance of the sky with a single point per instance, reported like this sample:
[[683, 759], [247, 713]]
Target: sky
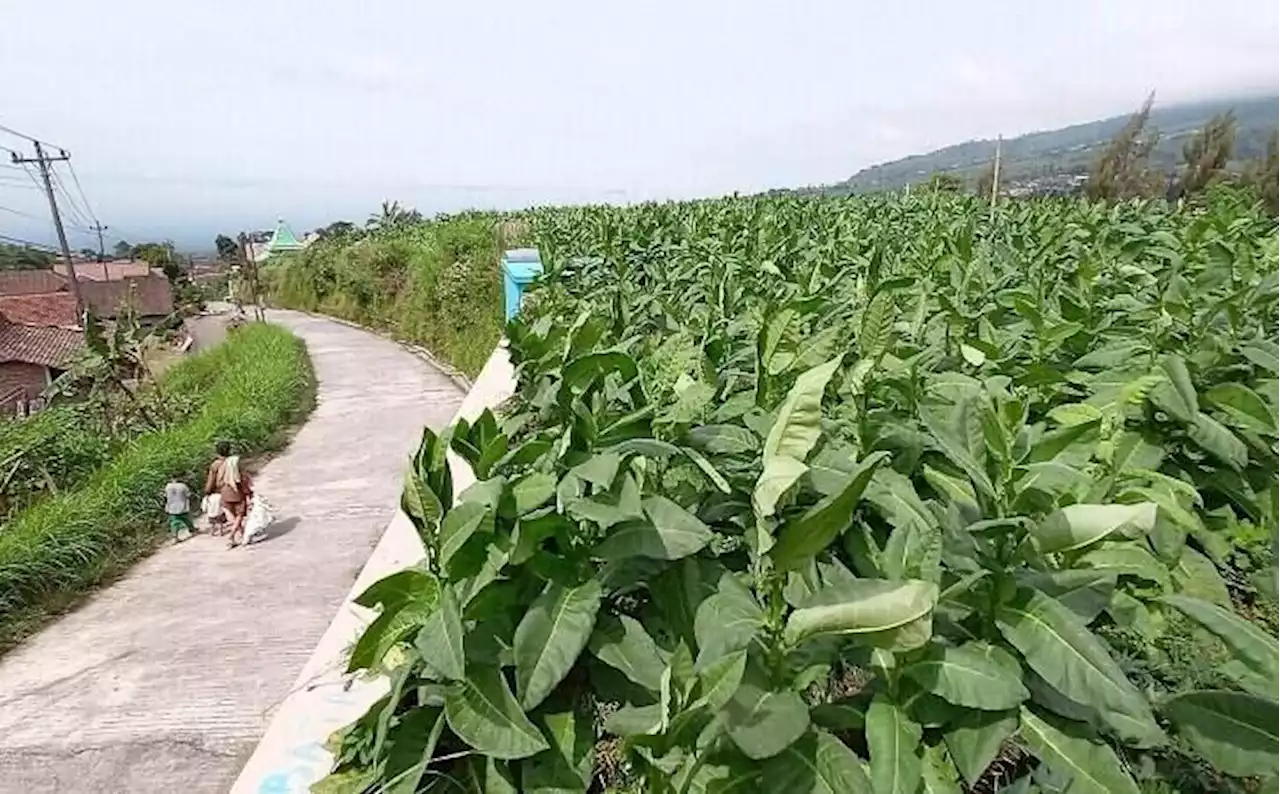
[[185, 119]]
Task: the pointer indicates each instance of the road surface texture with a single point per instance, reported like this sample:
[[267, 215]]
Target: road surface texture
[[165, 680]]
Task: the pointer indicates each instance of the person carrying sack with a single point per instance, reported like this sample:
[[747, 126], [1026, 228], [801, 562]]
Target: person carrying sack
[[233, 487]]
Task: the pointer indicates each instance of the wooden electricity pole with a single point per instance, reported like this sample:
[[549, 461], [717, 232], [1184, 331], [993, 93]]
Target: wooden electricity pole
[[42, 161], [102, 251], [995, 173]]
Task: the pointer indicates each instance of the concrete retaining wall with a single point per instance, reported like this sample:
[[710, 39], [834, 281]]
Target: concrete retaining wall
[[291, 755]]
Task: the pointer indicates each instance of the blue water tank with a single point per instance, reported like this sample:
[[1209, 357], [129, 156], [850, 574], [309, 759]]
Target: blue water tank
[[520, 267]]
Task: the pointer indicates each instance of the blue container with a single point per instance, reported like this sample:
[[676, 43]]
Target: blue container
[[519, 268]]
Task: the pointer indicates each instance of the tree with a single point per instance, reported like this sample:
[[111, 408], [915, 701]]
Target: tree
[[985, 180], [392, 216], [1263, 173], [942, 182], [228, 249], [1123, 170], [89, 253], [337, 230], [122, 249], [1207, 154]]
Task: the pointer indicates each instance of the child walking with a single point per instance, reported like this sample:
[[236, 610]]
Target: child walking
[[177, 504]]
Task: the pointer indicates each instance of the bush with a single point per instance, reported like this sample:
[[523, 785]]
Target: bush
[[256, 384], [434, 283]]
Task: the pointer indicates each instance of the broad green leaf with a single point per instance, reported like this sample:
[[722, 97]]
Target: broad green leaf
[[458, 527], [893, 741], [1234, 731], [723, 439], [877, 325], [1075, 662], [762, 723], [726, 621], [1183, 399], [1254, 647], [940, 774], [440, 639], [483, 713], [1084, 592], [392, 626], [566, 768], [635, 720], [533, 491], [1262, 353], [1073, 414], [956, 490], [670, 533], [958, 451], [410, 748], [868, 607], [582, 371], [973, 355], [1077, 526], [550, 636], [622, 643], [976, 738], [717, 479], [1244, 405], [801, 538], [399, 588], [599, 470], [975, 675], [792, 436], [1126, 559], [1195, 575], [1218, 441], [844, 714], [1066, 748], [719, 680], [817, 763]]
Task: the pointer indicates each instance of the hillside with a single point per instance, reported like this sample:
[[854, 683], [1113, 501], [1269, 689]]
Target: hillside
[[1070, 150]]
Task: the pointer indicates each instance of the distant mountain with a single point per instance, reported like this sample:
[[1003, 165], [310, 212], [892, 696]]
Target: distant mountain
[[1070, 150]]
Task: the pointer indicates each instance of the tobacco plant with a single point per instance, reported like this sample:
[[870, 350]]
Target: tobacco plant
[[838, 496]]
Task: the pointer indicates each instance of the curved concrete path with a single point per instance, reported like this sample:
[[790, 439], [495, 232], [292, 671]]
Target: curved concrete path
[[164, 681]]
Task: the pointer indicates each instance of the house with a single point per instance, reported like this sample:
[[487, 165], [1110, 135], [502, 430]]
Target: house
[[151, 298], [106, 271], [282, 240], [30, 358]]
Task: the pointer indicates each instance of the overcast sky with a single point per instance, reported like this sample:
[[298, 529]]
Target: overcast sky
[[186, 118]]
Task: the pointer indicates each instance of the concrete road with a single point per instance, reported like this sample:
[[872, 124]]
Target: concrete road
[[164, 681]]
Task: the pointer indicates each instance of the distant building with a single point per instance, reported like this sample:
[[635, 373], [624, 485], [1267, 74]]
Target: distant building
[[30, 358], [282, 240], [107, 271]]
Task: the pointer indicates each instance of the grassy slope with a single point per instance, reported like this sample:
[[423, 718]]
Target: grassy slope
[[257, 384], [434, 284]]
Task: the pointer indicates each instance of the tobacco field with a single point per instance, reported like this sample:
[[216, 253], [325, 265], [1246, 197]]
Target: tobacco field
[[882, 494]]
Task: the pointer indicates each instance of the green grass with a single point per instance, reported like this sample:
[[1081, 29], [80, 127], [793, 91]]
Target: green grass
[[435, 284], [256, 385]]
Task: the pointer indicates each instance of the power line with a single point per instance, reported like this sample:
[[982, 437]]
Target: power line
[[76, 213], [12, 131], [27, 243], [80, 190], [20, 212]]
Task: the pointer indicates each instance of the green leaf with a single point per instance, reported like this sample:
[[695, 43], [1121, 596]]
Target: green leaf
[[391, 627], [1077, 526], [394, 591], [1126, 559], [581, 372], [1084, 592], [893, 741], [723, 439], [1183, 400], [1234, 731], [1066, 748], [622, 643], [483, 713], [412, 744], [440, 639], [550, 636], [719, 680], [1254, 647], [763, 723], [1262, 353], [976, 738], [717, 479], [1195, 575], [870, 608], [792, 436], [1244, 405], [1073, 414], [1075, 662], [458, 527], [533, 491], [877, 325], [726, 621], [599, 470], [975, 675], [817, 763], [566, 768], [973, 355], [940, 774], [1218, 441], [957, 451], [670, 533], [803, 537]]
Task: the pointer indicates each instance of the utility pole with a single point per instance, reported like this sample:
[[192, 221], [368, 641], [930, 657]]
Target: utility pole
[[102, 251], [995, 173], [42, 161]]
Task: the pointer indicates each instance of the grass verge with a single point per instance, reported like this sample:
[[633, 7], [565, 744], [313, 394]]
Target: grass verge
[[255, 387]]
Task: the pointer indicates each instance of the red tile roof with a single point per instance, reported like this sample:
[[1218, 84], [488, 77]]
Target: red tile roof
[[50, 347], [150, 296], [30, 282], [105, 271], [48, 309]]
